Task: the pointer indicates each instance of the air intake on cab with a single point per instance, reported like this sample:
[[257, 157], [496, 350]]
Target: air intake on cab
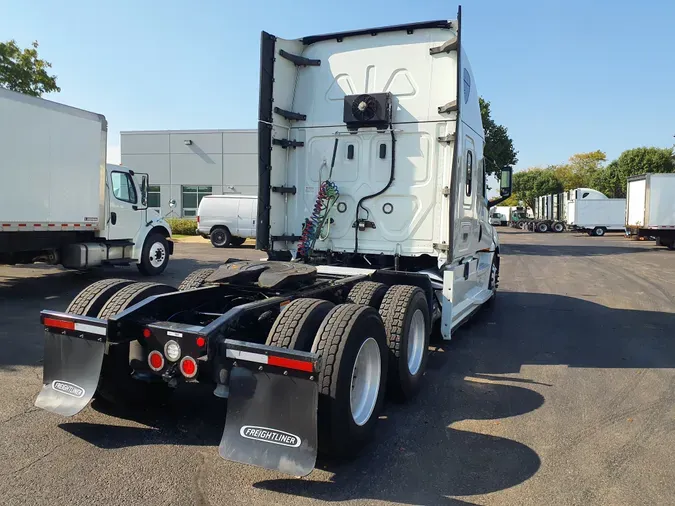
[[367, 110]]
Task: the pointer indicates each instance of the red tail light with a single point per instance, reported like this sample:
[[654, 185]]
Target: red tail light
[[197, 219], [201, 341], [188, 367], [146, 333], [156, 361]]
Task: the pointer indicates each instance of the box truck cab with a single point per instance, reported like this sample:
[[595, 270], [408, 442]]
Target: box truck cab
[[60, 203], [228, 220]]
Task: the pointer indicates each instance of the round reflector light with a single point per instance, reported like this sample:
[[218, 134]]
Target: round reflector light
[[146, 333], [155, 360], [172, 351], [188, 367], [201, 341]]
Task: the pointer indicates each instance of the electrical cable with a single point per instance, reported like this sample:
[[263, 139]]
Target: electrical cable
[[367, 197]]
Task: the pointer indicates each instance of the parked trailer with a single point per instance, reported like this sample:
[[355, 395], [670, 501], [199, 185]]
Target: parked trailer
[[552, 213], [596, 216], [650, 211], [303, 344], [60, 203]]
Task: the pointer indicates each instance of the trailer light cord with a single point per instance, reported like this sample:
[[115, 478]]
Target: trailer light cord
[[325, 200], [372, 195]]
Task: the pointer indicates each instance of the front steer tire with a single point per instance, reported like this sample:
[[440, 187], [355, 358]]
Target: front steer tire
[[297, 324], [155, 255], [116, 385], [347, 330], [405, 313]]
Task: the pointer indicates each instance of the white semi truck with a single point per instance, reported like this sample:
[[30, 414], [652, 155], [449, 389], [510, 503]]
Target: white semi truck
[[60, 203], [373, 212], [651, 208]]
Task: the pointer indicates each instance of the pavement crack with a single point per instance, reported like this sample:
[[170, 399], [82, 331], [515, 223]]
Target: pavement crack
[[25, 412], [35, 461], [201, 499]]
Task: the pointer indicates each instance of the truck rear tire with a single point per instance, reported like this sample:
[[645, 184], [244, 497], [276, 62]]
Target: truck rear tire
[[220, 237], [195, 279], [542, 227], [90, 300], [352, 344], [368, 293], [116, 384], [155, 255], [405, 313], [558, 227], [297, 324], [599, 231]]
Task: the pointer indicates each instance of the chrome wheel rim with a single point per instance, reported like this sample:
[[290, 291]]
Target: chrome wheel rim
[[365, 384], [416, 342], [157, 254]]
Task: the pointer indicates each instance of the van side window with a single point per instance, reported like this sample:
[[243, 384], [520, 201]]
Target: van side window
[[469, 172], [123, 187], [586, 194]]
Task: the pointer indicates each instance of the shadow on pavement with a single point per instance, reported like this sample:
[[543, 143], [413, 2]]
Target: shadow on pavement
[[567, 250]]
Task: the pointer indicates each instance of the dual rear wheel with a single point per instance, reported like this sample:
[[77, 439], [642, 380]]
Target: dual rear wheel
[[364, 352]]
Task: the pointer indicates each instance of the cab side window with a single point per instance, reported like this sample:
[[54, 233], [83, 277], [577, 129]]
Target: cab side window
[[123, 187]]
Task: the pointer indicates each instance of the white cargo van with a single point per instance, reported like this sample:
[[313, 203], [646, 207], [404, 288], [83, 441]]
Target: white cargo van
[[228, 220]]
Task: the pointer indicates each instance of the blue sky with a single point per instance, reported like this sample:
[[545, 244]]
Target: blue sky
[[564, 77]]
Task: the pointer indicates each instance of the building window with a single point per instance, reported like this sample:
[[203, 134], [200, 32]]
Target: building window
[[154, 197], [123, 187], [192, 196]]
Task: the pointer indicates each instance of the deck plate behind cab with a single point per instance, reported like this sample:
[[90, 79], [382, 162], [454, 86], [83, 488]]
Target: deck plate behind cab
[[265, 274]]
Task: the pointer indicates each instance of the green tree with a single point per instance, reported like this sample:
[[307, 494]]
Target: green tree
[[580, 169], [498, 149], [612, 179], [535, 182], [22, 70]]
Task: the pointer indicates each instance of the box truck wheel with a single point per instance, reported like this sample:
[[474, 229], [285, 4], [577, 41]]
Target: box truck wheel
[[195, 279], [90, 300], [599, 231], [405, 313], [155, 255], [116, 385], [368, 293], [352, 345], [297, 324], [220, 237]]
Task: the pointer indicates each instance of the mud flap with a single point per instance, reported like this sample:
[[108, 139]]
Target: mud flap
[[271, 410], [73, 356]]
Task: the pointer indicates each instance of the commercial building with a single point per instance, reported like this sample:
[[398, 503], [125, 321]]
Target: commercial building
[[185, 165]]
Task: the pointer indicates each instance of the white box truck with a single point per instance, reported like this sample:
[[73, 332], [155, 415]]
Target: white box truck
[[371, 179], [60, 203], [596, 216], [651, 208]]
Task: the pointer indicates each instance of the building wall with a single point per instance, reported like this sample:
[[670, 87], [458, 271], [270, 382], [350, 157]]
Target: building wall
[[226, 161]]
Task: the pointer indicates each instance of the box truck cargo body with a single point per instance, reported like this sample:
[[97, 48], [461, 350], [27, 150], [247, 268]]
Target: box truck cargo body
[[651, 207], [596, 216], [60, 202]]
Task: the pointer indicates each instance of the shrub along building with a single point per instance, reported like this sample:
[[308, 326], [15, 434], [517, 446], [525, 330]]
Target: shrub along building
[[186, 165]]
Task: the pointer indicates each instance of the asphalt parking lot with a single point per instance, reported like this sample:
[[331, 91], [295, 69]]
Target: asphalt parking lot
[[562, 393]]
